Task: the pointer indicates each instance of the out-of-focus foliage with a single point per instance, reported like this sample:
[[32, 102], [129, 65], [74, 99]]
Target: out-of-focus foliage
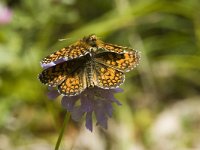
[[161, 98]]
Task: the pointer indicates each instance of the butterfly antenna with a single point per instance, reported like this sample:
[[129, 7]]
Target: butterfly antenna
[[64, 39]]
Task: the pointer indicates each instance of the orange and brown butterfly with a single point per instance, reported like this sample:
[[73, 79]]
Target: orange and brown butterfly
[[87, 63]]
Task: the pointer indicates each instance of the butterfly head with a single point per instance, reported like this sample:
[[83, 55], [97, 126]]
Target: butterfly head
[[91, 40]]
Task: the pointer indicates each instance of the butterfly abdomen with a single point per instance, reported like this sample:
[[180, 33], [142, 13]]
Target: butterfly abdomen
[[89, 73]]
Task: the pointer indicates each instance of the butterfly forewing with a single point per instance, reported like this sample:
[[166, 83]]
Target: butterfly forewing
[[71, 52], [53, 76], [113, 48], [123, 62], [87, 63], [107, 77]]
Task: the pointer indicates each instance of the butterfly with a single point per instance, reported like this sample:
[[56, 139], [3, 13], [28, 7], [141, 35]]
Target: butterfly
[[87, 63]]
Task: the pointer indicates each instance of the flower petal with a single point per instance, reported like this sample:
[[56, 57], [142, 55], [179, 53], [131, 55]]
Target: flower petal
[[117, 90], [86, 103], [53, 93], [69, 102], [109, 109], [5, 14], [100, 113], [88, 122], [101, 118], [77, 113], [95, 100], [113, 99]]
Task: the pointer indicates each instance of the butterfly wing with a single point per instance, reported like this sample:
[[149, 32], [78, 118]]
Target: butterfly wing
[[107, 77], [74, 84], [55, 75], [123, 62], [112, 48], [73, 51]]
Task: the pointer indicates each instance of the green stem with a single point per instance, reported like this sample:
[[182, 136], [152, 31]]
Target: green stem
[[67, 116]]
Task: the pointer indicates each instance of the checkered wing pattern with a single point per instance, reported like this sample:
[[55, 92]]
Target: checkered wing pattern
[[87, 63], [71, 52], [54, 76], [123, 62], [74, 84], [113, 48], [107, 77]]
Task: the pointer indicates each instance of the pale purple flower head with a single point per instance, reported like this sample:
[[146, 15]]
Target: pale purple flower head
[[91, 101], [5, 15], [95, 101]]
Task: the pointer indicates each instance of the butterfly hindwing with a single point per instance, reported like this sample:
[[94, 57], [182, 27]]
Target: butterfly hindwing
[[74, 84], [55, 75], [87, 63], [107, 77]]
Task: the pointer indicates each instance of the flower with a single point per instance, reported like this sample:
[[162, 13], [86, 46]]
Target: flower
[[5, 14], [93, 100]]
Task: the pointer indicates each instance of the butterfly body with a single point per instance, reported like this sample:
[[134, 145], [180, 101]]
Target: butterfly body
[[89, 62]]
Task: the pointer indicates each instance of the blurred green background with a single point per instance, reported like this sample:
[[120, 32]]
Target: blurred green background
[[161, 99]]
